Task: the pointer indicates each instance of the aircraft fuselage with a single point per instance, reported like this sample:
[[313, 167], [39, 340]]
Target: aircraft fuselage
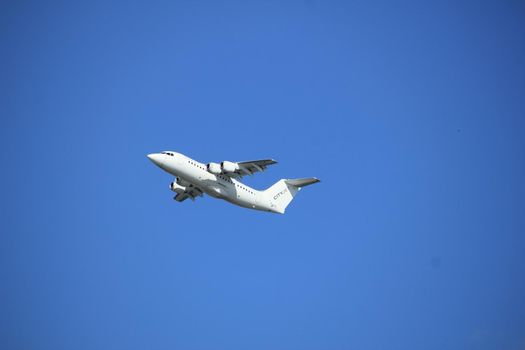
[[192, 173]]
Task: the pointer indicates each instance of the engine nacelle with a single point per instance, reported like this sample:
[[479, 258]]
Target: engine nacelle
[[175, 187], [229, 167], [182, 182], [214, 168]]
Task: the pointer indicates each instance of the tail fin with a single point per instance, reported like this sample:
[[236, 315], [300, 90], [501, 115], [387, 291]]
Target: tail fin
[[283, 191]]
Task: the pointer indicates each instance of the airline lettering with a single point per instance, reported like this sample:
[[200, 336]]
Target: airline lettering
[[280, 194]]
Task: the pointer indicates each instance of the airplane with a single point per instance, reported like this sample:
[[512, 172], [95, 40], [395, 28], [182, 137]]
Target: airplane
[[221, 180]]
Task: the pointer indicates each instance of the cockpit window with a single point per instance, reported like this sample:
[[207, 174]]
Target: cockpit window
[[168, 153]]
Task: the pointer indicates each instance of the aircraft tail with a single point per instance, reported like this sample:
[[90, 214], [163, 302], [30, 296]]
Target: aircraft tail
[[284, 190]]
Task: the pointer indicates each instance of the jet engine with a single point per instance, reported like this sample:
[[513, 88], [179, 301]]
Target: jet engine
[[175, 187], [214, 168], [229, 167], [182, 182]]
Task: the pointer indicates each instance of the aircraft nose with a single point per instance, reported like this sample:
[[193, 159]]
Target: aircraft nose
[[155, 158]]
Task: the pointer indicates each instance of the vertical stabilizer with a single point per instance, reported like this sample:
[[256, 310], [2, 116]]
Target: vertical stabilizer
[[283, 191]]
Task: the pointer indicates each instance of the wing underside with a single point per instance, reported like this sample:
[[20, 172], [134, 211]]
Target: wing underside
[[250, 167], [190, 192]]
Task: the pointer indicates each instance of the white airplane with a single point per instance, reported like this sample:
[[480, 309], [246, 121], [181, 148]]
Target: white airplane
[[221, 181]]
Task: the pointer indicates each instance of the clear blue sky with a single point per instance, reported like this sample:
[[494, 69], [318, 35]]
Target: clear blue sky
[[412, 113]]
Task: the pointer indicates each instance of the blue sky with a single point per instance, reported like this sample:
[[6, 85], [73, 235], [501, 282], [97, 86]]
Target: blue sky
[[410, 112]]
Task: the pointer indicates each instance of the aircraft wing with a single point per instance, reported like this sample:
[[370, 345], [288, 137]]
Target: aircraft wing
[[250, 167], [191, 192]]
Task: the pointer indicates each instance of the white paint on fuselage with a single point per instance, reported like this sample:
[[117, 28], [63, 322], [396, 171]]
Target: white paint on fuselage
[[218, 186]]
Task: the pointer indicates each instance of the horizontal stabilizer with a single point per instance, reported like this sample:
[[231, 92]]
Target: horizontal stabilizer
[[302, 182]]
